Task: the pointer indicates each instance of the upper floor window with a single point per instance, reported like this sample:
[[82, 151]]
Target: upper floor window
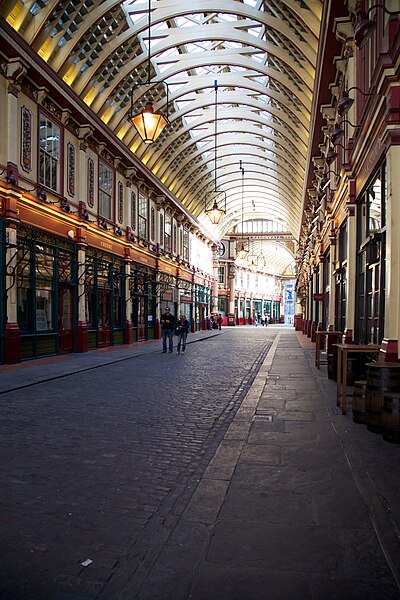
[[120, 203], [161, 229], [106, 190], [49, 153], [221, 274], [168, 233], [185, 252], [175, 237], [143, 211], [153, 224], [374, 205], [371, 207], [133, 211]]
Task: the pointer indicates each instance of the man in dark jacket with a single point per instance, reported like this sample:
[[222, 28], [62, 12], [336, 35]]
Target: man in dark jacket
[[167, 330], [182, 329]]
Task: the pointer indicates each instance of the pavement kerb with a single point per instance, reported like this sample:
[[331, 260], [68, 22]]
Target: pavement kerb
[[134, 352], [218, 474]]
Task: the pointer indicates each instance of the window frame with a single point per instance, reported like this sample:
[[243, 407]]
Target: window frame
[[48, 183], [104, 192]]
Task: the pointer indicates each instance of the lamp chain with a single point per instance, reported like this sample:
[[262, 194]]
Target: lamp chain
[[215, 136], [242, 169], [149, 46]]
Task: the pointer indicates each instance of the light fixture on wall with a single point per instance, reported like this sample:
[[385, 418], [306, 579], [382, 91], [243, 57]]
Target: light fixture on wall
[[65, 205], [148, 123], [345, 102], [241, 250], [215, 213], [365, 27], [338, 132], [326, 180], [330, 156], [42, 195], [11, 178]]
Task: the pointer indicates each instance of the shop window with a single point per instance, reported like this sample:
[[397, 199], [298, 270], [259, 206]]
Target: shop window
[[24, 289], [44, 286], [49, 153], [89, 291], [143, 212], [106, 191], [117, 286], [223, 305]]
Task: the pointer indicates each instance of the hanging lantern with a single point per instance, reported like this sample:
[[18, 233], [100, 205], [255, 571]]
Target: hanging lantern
[[149, 124], [215, 213]]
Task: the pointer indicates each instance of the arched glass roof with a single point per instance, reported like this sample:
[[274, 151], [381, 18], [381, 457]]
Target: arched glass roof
[[262, 53]]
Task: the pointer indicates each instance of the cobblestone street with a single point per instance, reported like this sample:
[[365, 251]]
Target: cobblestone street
[[93, 464]]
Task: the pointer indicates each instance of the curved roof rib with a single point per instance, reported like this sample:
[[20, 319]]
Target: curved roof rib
[[263, 56]]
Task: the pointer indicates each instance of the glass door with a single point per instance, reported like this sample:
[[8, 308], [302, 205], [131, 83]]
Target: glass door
[[65, 318], [141, 317], [104, 313]]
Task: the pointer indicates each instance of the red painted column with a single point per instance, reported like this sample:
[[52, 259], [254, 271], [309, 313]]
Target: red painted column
[[12, 344]]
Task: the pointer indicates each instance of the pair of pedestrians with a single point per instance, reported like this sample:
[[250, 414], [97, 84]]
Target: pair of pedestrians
[[168, 327]]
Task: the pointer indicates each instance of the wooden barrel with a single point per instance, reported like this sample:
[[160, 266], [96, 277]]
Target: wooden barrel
[[381, 378], [391, 418], [358, 405]]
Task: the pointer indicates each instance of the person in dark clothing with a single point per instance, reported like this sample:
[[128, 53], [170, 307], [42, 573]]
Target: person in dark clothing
[[167, 330], [182, 330], [219, 322]]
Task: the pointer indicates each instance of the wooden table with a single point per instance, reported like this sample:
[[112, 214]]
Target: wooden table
[[343, 356], [318, 339]]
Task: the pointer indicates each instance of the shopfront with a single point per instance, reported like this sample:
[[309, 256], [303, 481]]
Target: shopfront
[[46, 285], [3, 299], [104, 277], [186, 301], [371, 259], [202, 307], [142, 287]]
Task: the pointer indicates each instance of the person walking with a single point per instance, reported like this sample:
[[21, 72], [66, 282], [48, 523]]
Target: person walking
[[212, 323], [182, 330], [167, 329], [219, 322]]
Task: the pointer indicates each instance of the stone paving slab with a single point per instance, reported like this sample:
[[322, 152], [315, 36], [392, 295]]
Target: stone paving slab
[[221, 582]]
